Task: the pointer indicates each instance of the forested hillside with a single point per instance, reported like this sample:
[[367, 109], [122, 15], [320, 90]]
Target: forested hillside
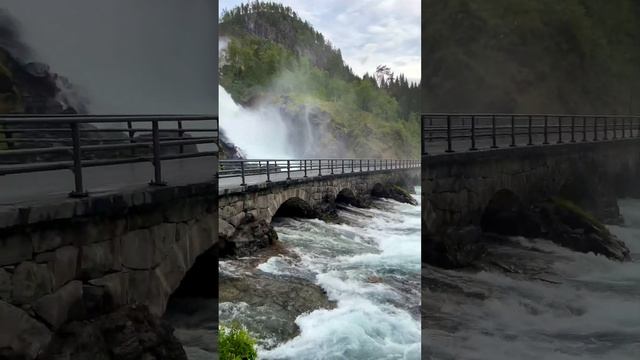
[[273, 55], [576, 56]]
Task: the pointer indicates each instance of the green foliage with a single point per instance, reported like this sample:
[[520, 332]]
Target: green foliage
[[273, 53], [581, 213], [570, 56], [235, 343]]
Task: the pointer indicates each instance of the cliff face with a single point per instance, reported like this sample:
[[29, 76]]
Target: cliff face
[[573, 56], [29, 87], [274, 57]]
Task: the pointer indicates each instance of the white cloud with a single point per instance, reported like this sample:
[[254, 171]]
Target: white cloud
[[368, 32]]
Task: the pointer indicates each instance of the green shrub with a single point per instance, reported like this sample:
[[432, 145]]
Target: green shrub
[[235, 343]]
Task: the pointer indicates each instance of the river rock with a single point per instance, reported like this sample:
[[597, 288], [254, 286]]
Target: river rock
[[129, 333], [507, 215], [394, 192], [279, 300], [455, 248], [21, 336], [572, 227]]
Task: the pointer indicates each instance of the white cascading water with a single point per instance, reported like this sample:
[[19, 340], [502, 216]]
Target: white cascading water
[[581, 307], [259, 132], [370, 266]]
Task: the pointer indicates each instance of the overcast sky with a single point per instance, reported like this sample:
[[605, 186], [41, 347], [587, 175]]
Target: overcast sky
[[368, 32]]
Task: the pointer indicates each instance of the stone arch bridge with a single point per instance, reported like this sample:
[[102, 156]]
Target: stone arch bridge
[[247, 211]]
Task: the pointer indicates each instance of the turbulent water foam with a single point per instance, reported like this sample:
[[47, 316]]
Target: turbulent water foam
[[370, 266], [581, 306], [259, 132]]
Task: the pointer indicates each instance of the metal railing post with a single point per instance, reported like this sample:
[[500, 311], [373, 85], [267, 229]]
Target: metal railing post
[[331, 166], [606, 128], [573, 129], [342, 165], [319, 167], [352, 165], [449, 144], [494, 141], [288, 169], [530, 131], [180, 135], [513, 131], [77, 162], [584, 129], [131, 135], [157, 161], [305, 168], [473, 133], [560, 130], [368, 166], [595, 129], [624, 128], [268, 172], [242, 173], [546, 130]]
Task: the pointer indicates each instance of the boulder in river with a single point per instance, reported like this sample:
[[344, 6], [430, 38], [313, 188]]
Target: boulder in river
[[454, 248], [394, 192]]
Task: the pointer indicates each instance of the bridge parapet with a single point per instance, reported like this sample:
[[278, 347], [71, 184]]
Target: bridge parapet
[[446, 133], [467, 158], [35, 143]]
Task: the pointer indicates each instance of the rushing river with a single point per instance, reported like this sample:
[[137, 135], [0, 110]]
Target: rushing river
[[368, 265], [561, 304]]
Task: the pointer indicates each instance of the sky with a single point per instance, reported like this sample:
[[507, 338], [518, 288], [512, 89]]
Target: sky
[[368, 32]]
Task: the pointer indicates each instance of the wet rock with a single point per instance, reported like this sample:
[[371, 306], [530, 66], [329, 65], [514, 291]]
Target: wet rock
[[349, 198], [130, 333], [572, 227], [394, 192], [30, 282], [278, 300], [58, 307], [21, 336], [455, 248], [250, 236]]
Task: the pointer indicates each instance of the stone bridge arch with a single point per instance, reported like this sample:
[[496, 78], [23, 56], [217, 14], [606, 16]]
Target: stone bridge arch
[[260, 203], [87, 257]]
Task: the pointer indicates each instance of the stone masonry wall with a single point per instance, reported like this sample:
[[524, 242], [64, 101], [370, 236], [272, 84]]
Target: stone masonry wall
[[456, 188], [262, 201], [109, 253]]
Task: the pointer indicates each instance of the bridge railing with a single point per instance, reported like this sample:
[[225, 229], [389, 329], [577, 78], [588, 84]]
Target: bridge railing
[[471, 132], [276, 170], [32, 143]]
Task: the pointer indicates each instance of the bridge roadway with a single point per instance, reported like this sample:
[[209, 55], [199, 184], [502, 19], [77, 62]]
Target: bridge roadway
[[17, 190], [232, 183]]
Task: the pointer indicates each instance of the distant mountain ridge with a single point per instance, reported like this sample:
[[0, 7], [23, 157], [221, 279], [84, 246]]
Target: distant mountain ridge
[[275, 56]]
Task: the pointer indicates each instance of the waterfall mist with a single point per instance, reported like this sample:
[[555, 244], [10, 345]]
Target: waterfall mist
[[276, 131], [127, 56]]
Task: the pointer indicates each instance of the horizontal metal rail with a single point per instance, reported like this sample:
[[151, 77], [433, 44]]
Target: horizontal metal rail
[[32, 143], [268, 170], [447, 133]]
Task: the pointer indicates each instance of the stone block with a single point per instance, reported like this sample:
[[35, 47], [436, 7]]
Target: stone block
[[21, 333], [138, 249], [15, 248], [31, 281], [100, 258], [5, 285], [116, 287], [63, 265], [64, 304]]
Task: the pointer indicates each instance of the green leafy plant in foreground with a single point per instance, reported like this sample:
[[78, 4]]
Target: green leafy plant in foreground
[[235, 343]]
